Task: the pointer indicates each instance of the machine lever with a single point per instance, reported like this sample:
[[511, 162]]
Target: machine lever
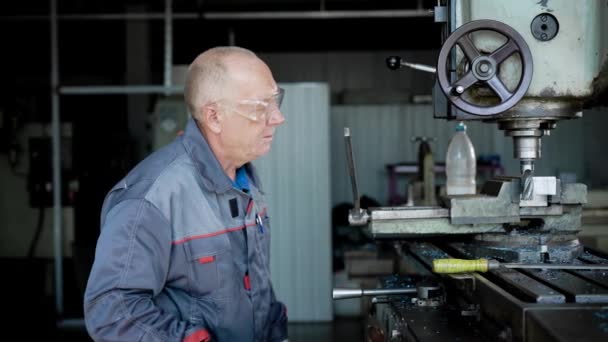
[[395, 62], [357, 216], [356, 293], [452, 266]]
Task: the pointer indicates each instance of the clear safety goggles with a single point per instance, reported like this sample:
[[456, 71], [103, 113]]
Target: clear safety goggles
[[258, 110]]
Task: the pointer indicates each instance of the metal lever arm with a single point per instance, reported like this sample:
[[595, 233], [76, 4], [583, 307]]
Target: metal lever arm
[[395, 62], [339, 293], [357, 216]]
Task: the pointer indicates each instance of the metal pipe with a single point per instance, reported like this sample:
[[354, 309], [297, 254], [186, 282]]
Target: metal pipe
[[121, 90], [356, 293], [558, 266], [168, 46], [268, 15], [421, 67], [56, 139]]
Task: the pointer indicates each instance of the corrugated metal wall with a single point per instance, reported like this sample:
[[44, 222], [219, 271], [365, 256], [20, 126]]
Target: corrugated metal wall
[[296, 178], [381, 135]]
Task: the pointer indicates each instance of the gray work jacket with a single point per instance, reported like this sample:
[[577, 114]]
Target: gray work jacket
[[182, 254]]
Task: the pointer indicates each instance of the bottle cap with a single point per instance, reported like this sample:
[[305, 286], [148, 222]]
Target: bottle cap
[[461, 127]]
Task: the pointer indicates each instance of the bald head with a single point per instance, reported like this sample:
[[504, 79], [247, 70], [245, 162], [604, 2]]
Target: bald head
[[210, 74], [223, 82]]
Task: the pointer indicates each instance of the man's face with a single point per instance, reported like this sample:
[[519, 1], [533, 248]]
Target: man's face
[[250, 117]]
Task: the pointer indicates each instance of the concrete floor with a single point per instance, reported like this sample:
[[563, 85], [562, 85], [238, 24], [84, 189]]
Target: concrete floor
[[338, 330], [342, 329], [31, 310]]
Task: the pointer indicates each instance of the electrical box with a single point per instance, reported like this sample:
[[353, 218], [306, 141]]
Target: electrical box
[[40, 175]]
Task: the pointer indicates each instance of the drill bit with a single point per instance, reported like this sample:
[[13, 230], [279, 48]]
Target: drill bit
[[527, 185]]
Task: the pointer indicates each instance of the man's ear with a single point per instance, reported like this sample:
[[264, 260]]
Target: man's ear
[[212, 118]]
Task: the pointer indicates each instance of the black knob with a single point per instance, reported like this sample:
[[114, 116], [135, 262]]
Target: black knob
[[393, 62]]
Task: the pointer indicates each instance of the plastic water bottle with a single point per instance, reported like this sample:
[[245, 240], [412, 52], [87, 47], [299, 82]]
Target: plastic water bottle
[[461, 164]]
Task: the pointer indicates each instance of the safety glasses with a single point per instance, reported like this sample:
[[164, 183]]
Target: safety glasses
[[257, 110]]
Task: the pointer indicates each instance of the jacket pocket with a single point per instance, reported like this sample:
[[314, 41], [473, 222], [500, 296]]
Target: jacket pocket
[[208, 257]]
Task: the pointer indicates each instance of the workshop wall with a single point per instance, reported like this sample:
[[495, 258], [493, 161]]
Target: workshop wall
[[297, 184], [381, 135], [356, 77], [595, 123]]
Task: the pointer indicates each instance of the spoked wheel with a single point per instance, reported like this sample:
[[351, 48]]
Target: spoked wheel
[[483, 68]]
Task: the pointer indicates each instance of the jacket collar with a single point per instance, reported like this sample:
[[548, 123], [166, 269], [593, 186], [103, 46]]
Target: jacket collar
[[214, 177]]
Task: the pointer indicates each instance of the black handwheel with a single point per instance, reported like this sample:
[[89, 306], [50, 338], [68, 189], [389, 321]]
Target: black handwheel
[[484, 67]]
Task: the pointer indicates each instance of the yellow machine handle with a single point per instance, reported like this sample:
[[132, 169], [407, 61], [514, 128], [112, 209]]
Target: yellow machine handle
[[450, 266]]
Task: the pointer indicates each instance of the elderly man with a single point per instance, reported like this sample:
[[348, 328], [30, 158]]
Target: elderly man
[[183, 253]]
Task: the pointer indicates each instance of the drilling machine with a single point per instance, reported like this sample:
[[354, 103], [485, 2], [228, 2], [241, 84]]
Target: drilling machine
[[504, 264]]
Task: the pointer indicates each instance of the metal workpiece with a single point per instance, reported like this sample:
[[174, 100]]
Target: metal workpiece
[[483, 69], [537, 191], [545, 185]]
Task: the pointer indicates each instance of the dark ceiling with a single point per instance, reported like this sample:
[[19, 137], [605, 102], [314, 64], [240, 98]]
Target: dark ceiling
[[93, 51], [105, 6]]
